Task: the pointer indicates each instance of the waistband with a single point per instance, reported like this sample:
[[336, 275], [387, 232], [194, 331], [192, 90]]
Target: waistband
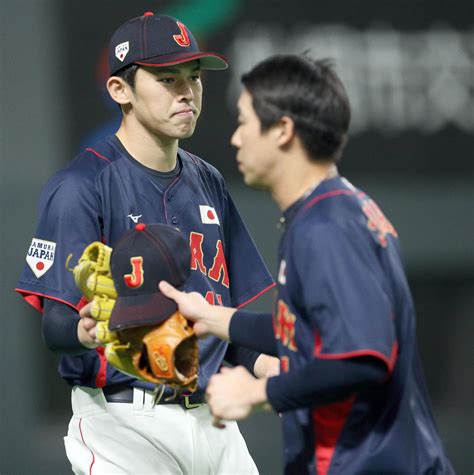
[[124, 394]]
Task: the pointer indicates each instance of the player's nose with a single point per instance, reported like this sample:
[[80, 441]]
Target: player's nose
[[185, 91], [235, 139]]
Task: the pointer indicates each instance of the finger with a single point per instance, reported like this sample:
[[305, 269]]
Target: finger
[[85, 311], [88, 323], [168, 290]]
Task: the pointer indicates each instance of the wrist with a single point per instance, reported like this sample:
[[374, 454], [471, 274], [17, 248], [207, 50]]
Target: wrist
[[258, 395], [218, 321]]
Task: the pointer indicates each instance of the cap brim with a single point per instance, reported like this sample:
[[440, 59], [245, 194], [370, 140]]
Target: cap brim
[[141, 310], [206, 60]]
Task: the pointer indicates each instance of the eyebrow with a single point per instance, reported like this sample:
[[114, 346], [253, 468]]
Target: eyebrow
[[175, 70]]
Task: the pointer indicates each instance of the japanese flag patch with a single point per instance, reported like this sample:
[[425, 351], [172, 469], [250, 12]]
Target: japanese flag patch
[[121, 50], [40, 256], [208, 215]]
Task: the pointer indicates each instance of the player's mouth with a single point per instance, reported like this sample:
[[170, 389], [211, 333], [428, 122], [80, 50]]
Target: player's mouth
[[187, 112]]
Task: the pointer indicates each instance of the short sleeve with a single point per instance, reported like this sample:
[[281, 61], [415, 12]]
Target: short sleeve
[[344, 293], [248, 274], [68, 220]]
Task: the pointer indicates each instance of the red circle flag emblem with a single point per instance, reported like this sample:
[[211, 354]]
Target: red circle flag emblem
[[208, 215], [40, 265]]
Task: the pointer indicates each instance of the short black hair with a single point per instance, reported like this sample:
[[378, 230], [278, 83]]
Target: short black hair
[[310, 93], [128, 74]]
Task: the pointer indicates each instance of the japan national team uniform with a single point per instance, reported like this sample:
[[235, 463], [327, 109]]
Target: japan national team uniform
[[105, 192], [343, 293]]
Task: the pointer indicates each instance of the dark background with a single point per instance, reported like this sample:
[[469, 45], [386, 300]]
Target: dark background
[[409, 70]]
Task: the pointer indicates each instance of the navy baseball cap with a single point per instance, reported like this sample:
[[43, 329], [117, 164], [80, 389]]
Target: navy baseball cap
[[142, 258], [157, 40]]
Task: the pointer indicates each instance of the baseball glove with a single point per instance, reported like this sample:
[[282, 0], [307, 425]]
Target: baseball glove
[[165, 354], [94, 279]]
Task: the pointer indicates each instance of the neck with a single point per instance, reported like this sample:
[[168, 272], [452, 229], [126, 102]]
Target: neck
[[293, 186], [157, 153]]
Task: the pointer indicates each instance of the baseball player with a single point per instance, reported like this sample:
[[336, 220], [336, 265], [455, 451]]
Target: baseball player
[[351, 388], [140, 175]]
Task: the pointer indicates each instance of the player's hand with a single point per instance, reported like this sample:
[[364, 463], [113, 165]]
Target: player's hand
[[208, 319], [234, 393], [86, 328]]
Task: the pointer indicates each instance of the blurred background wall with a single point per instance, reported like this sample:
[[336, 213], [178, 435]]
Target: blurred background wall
[[409, 70]]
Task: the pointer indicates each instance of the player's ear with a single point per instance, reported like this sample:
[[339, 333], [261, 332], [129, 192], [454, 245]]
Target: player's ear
[[285, 131], [119, 90]]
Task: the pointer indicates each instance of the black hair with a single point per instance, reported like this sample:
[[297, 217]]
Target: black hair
[[310, 93], [128, 74]]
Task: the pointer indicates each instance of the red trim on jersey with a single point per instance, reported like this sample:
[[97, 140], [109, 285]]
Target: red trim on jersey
[[256, 296], [328, 422], [87, 447], [83, 302], [101, 376], [98, 154], [389, 362], [329, 194], [34, 299]]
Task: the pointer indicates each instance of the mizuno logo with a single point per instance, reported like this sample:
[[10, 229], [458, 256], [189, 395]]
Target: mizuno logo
[[134, 218]]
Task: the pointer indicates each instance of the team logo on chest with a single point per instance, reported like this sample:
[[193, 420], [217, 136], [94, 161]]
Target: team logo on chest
[[208, 215], [40, 256], [134, 217]]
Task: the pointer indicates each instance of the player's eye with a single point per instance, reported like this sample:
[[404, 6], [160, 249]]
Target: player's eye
[[166, 80], [196, 77]]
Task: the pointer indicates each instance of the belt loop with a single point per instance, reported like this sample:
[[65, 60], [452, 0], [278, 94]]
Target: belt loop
[[138, 400], [190, 405]]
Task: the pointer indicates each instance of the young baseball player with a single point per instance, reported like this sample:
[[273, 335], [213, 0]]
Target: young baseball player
[[140, 175], [351, 389]]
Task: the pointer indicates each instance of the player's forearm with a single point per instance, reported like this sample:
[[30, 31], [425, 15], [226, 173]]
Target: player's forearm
[[60, 328], [253, 330], [323, 381]]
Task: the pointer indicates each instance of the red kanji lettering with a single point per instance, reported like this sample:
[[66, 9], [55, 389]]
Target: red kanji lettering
[[197, 256], [218, 270]]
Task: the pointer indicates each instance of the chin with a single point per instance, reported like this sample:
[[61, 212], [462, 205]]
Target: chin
[[186, 132]]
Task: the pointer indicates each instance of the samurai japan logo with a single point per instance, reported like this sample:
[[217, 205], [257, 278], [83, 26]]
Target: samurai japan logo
[[121, 50], [40, 256]]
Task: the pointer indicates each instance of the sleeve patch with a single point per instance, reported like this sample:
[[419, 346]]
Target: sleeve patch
[[40, 256]]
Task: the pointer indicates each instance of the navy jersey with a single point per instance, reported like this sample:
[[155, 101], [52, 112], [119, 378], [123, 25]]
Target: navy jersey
[[342, 293], [105, 192]]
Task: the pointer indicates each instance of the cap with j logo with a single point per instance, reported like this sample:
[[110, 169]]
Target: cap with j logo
[[142, 258], [157, 40]]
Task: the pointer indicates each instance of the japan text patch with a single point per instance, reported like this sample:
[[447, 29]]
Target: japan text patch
[[40, 256]]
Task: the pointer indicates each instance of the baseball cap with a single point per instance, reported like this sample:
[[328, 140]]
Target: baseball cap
[[157, 40], [142, 258]]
